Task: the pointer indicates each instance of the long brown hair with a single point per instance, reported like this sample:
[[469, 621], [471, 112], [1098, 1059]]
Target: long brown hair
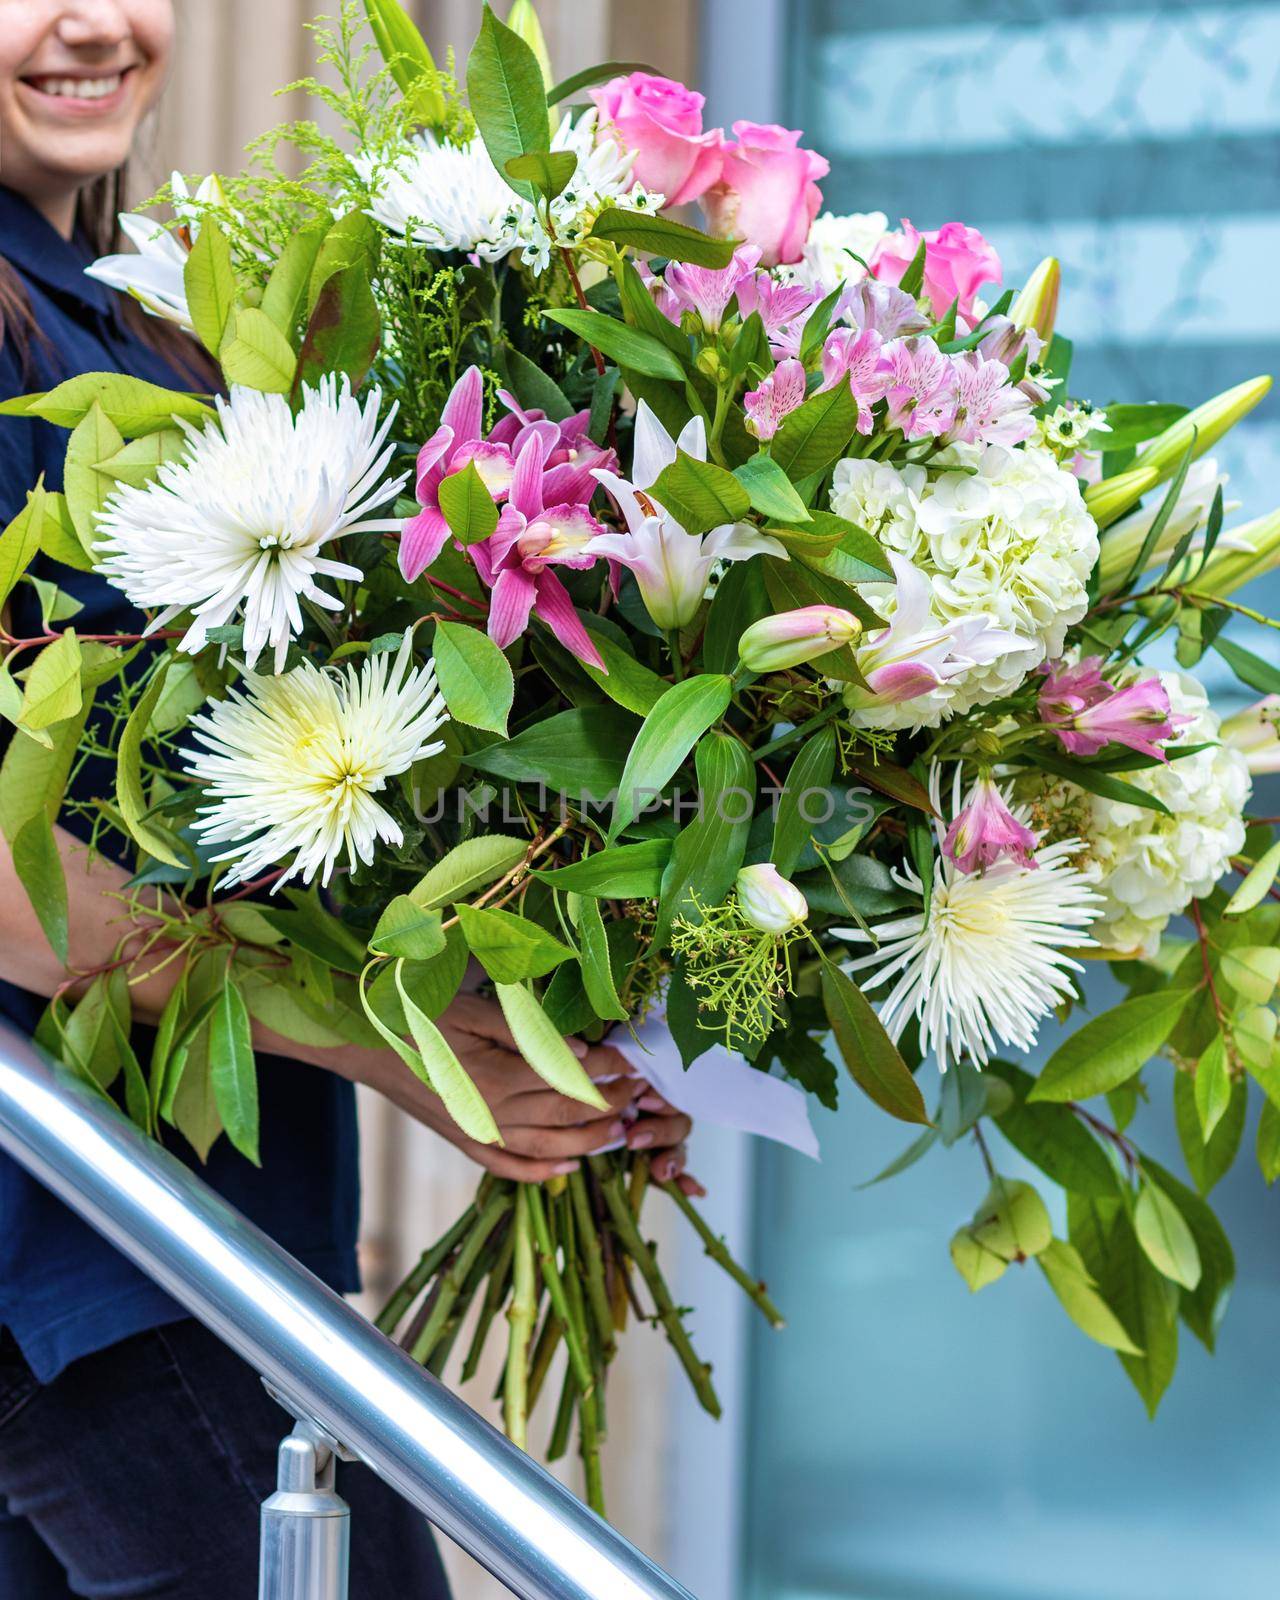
[[97, 221]]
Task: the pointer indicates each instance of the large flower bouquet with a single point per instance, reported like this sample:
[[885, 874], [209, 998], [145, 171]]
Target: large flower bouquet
[[681, 635]]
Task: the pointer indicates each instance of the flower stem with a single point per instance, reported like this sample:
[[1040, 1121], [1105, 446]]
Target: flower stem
[[589, 1238], [574, 1330], [719, 1252], [455, 1279], [816, 721], [677, 655], [520, 1316], [429, 1263], [495, 1294]]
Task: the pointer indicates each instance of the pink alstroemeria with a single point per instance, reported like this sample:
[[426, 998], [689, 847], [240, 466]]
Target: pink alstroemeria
[[917, 653], [882, 306], [989, 409], [781, 307], [985, 829], [1087, 713], [857, 357], [515, 560], [707, 291], [777, 396], [921, 390]]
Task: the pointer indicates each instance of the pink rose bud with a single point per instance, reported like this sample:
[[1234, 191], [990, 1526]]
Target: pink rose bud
[[777, 397], [1255, 733], [766, 191], [661, 121], [792, 637], [957, 262], [769, 901], [986, 829]]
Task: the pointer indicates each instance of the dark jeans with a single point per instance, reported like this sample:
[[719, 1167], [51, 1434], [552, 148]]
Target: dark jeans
[[139, 1471]]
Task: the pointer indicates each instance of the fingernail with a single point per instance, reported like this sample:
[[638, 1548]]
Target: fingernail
[[579, 1049], [640, 1141], [564, 1168], [699, 1189], [652, 1102], [617, 1129]]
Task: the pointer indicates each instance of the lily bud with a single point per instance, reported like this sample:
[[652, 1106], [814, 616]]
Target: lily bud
[[1121, 546], [792, 637], [1107, 501], [1036, 304], [1240, 556], [1210, 421], [1255, 733], [769, 901]]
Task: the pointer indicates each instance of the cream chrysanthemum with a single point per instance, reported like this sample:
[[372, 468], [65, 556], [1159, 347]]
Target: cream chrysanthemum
[[239, 523], [1010, 540], [1148, 866], [452, 197], [292, 763], [989, 960]]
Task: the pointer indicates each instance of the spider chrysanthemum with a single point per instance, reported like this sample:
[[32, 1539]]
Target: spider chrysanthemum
[[989, 958], [292, 764], [238, 526]]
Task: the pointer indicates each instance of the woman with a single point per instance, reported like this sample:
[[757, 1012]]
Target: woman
[[134, 1448]]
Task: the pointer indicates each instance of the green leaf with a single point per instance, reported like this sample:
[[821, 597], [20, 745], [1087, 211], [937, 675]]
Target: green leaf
[[810, 773], [1108, 1050], [256, 354], [1257, 883], [475, 677], [1052, 1137], [620, 872], [39, 868], [471, 865], [547, 171], [699, 494], [1203, 1308], [95, 439], [210, 284], [534, 388], [58, 537], [286, 293], [1252, 971], [627, 346], [1012, 1221], [1268, 1147], [1165, 1238], [52, 691], [1078, 1294], [445, 1073], [1212, 1086], [316, 930], [816, 433], [577, 753], [130, 404], [915, 1151], [405, 52], [510, 948], [344, 332], [640, 310], [1250, 669], [507, 96], [137, 462], [659, 236], [912, 280], [33, 775], [20, 541], [626, 681], [770, 491], [1132, 425], [666, 737], [792, 588], [352, 241], [1208, 1160], [600, 73], [597, 974], [405, 929], [130, 796], [708, 851], [544, 1048], [89, 1038], [977, 1265], [137, 1101], [1085, 776], [233, 1070], [870, 1054], [468, 507], [896, 782]]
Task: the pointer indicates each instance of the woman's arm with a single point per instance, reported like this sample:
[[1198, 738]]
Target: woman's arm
[[542, 1131]]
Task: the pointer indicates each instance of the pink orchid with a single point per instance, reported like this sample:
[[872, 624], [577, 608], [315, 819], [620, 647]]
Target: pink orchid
[[857, 357], [921, 390], [990, 410], [766, 191], [776, 398], [515, 560], [1087, 713], [985, 829], [706, 290], [958, 261]]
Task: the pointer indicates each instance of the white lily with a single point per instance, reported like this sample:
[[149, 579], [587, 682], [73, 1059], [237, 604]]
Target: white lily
[[672, 566], [154, 275]]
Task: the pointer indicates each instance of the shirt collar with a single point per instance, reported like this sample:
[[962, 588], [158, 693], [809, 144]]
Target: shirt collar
[[36, 248]]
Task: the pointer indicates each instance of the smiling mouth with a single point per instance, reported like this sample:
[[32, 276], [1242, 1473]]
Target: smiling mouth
[[58, 86]]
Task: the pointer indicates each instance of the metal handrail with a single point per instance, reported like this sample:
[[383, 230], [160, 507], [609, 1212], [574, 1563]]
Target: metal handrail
[[318, 1353]]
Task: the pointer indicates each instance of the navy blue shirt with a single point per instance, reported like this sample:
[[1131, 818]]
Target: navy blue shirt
[[64, 1291]]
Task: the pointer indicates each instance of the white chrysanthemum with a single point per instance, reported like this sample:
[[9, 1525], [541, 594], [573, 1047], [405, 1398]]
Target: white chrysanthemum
[[1010, 540], [292, 763], [240, 522], [990, 960], [452, 197], [1148, 867], [827, 262]]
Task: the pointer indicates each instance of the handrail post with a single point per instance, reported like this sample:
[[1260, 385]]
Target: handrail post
[[306, 1524]]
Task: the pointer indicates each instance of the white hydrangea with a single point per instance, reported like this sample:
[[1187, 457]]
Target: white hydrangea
[[1148, 866], [1009, 538], [827, 261]]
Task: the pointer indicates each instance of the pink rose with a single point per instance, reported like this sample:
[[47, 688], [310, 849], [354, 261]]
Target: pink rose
[[766, 192], [661, 121], [957, 262]]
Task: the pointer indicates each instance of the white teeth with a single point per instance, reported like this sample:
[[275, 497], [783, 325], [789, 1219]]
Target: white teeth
[[80, 88]]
